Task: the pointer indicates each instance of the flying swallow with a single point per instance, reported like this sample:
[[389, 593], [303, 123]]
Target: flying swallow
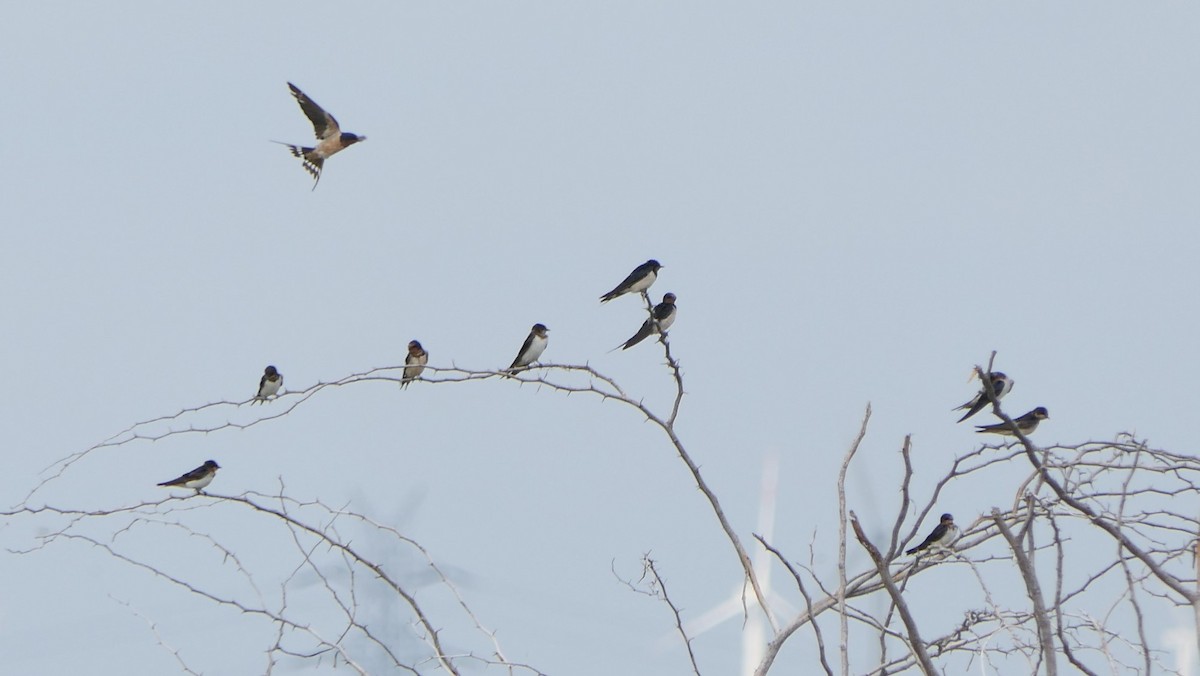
[[330, 137], [1026, 423], [638, 281], [533, 348], [270, 383], [942, 536], [1001, 385], [661, 319], [414, 363], [196, 479]]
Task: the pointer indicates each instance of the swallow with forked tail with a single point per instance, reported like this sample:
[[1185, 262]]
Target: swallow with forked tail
[[1001, 385], [1026, 423], [269, 384], [661, 319], [414, 363], [330, 137], [533, 348], [942, 536], [196, 479], [637, 282]]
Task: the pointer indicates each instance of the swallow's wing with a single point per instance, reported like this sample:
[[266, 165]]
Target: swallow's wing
[[933, 537], [524, 350], [197, 473], [642, 334], [938, 533], [638, 272], [324, 125]]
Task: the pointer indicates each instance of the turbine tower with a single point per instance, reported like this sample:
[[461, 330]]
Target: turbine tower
[[742, 601]]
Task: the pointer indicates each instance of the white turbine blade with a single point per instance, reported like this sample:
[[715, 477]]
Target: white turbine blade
[[730, 607]]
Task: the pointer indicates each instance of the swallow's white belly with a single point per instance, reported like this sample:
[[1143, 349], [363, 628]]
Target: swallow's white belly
[[664, 324], [270, 387], [201, 483], [643, 283], [536, 348]]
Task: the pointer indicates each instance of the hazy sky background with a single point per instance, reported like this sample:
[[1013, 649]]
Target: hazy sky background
[[853, 202]]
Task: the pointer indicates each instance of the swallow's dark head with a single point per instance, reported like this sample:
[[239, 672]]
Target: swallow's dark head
[[349, 139], [947, 518], [997, 375], [414, 347], [540, 330], [669, 298], [1040, 413], [653, 264], [211, 464], [271, 371]]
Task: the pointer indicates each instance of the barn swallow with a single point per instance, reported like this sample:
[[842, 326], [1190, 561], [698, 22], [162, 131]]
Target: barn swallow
[[1001, 385], [270, 383], [330, 137], [196, 479], [533, 348], [661, 319], [1026, 423], [942, 536], [414, 363], [638, 281]]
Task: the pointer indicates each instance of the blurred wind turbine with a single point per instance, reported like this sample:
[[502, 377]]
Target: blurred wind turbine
[[742, 601]]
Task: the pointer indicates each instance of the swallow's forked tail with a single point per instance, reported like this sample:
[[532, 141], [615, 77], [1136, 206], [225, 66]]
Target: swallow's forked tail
[[297, 151], [312, 163]]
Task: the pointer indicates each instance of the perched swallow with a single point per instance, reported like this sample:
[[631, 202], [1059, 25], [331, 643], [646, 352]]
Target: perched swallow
[[661, 319], [270, 383], [942, 536], [638, 281], [330, 137], [196, 479], [1001, 385], [533, 348], [414, 363], [1026, 423]]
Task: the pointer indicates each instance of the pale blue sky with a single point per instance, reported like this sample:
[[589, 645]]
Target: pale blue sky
[[853, 202]]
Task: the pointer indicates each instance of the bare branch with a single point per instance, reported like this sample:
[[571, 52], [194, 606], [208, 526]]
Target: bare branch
[[845, 631], [807, 601], [1035, 594], [910, 624]]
